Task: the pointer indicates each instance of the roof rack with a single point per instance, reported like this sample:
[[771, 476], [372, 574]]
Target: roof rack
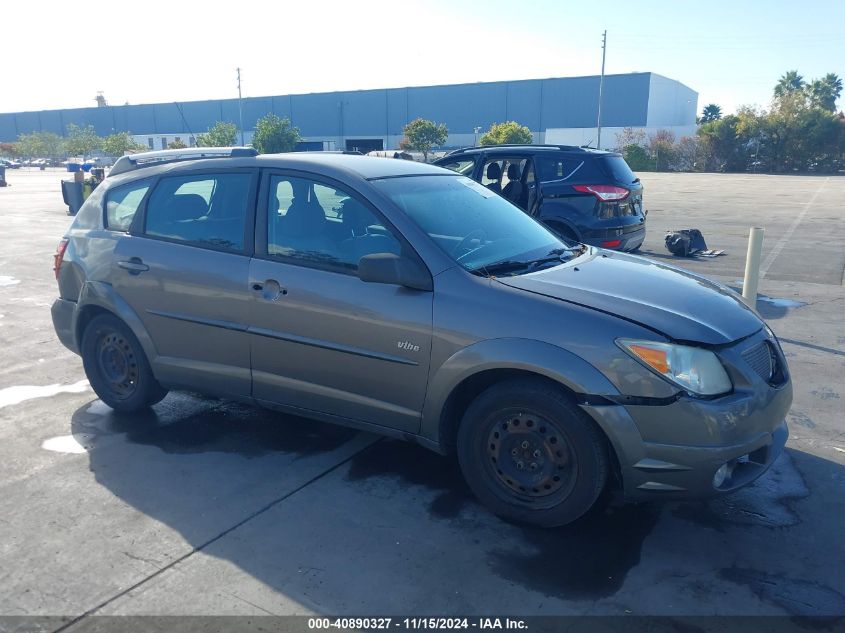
[[531, 145], [131, 162]]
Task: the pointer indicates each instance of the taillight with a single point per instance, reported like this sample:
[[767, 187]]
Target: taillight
[[606, 193], [58, 257], [611, 244]]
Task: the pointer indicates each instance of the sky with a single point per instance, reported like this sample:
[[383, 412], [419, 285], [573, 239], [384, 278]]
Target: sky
[[60, 54]]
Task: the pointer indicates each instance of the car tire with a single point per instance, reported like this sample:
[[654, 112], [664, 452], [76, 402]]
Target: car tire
[[563, 232], [531, 455], [117, 366]]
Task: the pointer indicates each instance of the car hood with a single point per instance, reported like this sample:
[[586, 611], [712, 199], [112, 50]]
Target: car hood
[[676, 303]]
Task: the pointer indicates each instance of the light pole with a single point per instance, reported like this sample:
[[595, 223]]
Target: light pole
[[341, 125], [476, 129], [240, 108], [601, 87]]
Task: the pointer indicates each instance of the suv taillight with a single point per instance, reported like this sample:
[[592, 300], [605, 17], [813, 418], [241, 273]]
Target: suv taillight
[[58, 257], [605, 193]]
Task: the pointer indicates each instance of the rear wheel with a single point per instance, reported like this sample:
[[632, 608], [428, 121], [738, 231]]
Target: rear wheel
[[563, 232], [530, 454], [117, 367]]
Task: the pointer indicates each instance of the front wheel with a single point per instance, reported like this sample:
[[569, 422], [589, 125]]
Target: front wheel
[[530, 454], [117, 367]]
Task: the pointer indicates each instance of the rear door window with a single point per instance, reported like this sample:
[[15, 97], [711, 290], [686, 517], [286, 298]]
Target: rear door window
[[201, 209], [122, 203]]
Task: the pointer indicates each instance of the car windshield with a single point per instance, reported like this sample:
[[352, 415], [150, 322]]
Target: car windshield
[[479, 229]]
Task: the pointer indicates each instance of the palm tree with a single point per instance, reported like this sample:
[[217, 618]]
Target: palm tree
[[789, 83], [825, 91], [711, 112]]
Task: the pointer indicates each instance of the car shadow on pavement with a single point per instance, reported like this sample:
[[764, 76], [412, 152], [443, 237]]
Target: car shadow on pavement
[[300, 498]]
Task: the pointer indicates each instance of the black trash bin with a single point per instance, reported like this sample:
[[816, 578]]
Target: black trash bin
[[72, 195]]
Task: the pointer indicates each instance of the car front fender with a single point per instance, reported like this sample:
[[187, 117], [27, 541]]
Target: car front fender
[[514, 354]]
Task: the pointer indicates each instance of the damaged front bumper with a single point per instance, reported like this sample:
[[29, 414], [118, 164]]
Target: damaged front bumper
[[696, 448]]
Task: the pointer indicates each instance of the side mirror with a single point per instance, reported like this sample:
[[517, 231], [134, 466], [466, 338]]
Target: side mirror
[[387, 268]]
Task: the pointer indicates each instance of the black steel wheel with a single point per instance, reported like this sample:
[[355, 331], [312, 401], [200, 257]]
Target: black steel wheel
[[532, 457], [530, 454], [117, 364], [117, 367]]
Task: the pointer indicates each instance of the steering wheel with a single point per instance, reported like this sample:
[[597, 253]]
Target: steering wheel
[[466, 244]]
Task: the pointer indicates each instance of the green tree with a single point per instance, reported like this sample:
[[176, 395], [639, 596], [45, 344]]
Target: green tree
[[176, 144], [825, 91], [422, 135], [41, 144], [721, 149], [82, 140], [120, 143], [790, 82], [509, 132], [637, 157], [26, 145], [711, 112], [220, 134], [274, 135]]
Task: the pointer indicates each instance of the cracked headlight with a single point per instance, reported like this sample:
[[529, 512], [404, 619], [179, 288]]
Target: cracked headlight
[[694, 369]]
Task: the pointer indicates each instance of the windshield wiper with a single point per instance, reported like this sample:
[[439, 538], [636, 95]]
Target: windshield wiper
[[511, 266]]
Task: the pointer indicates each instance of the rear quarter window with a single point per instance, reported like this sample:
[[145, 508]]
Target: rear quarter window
[[569, 169], [463, 166], [90, 214], [122, 203]]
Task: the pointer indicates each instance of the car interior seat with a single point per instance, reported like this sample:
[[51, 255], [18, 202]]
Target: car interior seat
[[494, 173], [178, 217], [513, 190], [304, 225]]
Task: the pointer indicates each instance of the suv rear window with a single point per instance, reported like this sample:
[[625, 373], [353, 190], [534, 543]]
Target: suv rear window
[[618, 169]]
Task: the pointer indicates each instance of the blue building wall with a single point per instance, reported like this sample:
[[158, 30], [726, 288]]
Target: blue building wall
[[537, 103]]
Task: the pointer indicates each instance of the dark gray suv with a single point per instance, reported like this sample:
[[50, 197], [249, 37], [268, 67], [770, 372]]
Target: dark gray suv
[[409, 300]]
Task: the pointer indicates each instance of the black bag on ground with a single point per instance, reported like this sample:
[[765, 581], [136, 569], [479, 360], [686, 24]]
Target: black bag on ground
[[685, 242]]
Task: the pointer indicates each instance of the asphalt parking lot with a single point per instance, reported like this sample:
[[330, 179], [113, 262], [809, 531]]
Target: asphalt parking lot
[[208, 507]]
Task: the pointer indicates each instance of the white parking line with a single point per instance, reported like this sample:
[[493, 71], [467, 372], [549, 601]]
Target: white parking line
[[788, 235]]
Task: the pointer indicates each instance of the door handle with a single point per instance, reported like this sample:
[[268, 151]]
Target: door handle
[[135, 266], [270, 290]]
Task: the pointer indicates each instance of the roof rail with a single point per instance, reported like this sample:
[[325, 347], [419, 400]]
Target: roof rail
[[532, 145], [131, 162], [351, 152]]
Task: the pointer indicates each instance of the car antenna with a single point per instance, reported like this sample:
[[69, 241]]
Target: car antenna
[[588, 145]]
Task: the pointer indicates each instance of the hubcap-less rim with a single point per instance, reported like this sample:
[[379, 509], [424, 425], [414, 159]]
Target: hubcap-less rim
[[531, 457], [117, 364]]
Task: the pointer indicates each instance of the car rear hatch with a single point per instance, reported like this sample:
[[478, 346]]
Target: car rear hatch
[[620, 175]]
